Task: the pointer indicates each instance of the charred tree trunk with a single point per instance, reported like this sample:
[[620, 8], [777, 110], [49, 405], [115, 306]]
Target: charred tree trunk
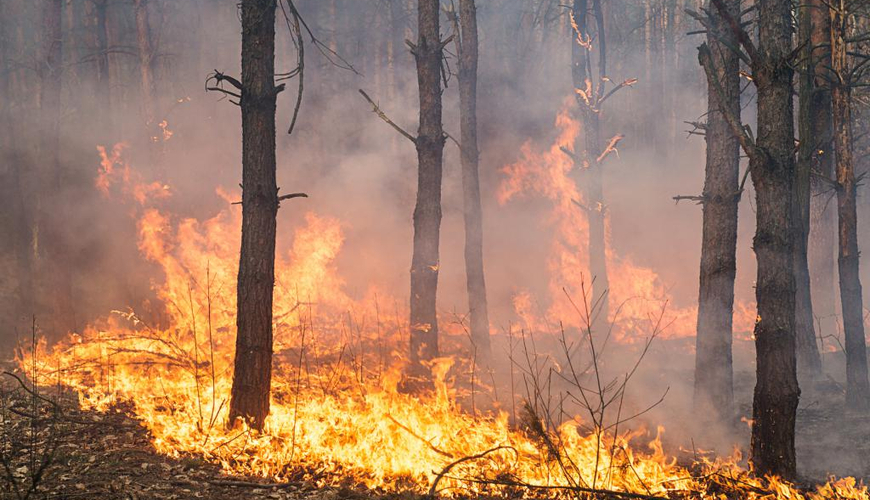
[[253, 360], [427, 213], [714, 393], [809, 362], [590, 146], [857, 384], [772, 165], [471, 181], [822, 214]]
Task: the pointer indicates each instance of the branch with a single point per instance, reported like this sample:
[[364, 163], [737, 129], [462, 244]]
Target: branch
[[698, 199], [291, 196], [445, 470], [706, 61], [611, 148], [738, 31], [383, 116]]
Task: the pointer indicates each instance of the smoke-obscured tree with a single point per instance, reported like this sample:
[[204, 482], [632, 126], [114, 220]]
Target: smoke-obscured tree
[[467, 44], [808, 359], [589, 154], [49, 249], [714, 391], [817, 121], [772, 167], [844, 75], [147, 84], [427, 213]]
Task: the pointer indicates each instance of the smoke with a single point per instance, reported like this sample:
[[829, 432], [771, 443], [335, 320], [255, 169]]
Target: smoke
[[356, 169]]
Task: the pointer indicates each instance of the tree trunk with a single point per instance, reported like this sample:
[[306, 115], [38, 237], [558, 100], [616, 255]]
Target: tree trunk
[[101, 47], [714, 393], [253, 361], [809, 362], [427, 213], [857, 384], [49, 249], [590, 145], [772, 165], [146, 69], [822, 213], [471, 182]]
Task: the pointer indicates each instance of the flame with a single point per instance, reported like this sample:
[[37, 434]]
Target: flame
[[637, 294], [336, 412]]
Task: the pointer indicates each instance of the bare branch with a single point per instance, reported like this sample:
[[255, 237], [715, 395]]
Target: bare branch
[[383, 116]]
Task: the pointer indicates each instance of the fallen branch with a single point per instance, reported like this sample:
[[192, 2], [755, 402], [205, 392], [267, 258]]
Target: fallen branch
[[451, 465]]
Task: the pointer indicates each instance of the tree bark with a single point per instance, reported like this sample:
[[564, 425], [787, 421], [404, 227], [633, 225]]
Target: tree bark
[[857, 384], [822, 214], [772, 165], [253, 359], [714, 393], [809, 362], [468, 55], [590, 145], [427, 213]]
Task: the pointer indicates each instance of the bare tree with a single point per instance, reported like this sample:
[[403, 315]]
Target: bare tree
[[590, 96], [467, 44], [772, 167], [842, 79], [714, 392], [427, 212]]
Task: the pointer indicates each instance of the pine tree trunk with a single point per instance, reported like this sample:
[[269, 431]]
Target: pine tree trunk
[[427, 213], [857, 384], [772, 166], [471, 182], [714, 393], [589, 147], [809, 362], [253, 361], [822, 213]]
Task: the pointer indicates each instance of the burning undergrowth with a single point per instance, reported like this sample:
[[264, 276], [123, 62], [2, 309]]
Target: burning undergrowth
[[560, 426]]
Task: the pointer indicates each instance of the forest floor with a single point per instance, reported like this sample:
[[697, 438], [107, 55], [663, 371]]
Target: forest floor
[[69, 453]]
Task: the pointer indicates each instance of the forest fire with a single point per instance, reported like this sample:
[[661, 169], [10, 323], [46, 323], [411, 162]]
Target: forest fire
[[337, 413], [524, 314], [636, 294]]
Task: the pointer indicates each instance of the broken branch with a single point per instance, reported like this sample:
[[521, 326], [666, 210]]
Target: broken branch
[[383, 116]]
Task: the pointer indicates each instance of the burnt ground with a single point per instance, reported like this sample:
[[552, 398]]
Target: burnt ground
[[74, 454]]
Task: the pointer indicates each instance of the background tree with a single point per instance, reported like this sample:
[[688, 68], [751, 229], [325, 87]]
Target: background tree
[[589, 153], [843, 76], [714, 392], [808, 359], [467, 45]]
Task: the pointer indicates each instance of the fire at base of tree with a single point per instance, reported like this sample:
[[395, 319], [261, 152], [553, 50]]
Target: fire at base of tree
[[198, 304]]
